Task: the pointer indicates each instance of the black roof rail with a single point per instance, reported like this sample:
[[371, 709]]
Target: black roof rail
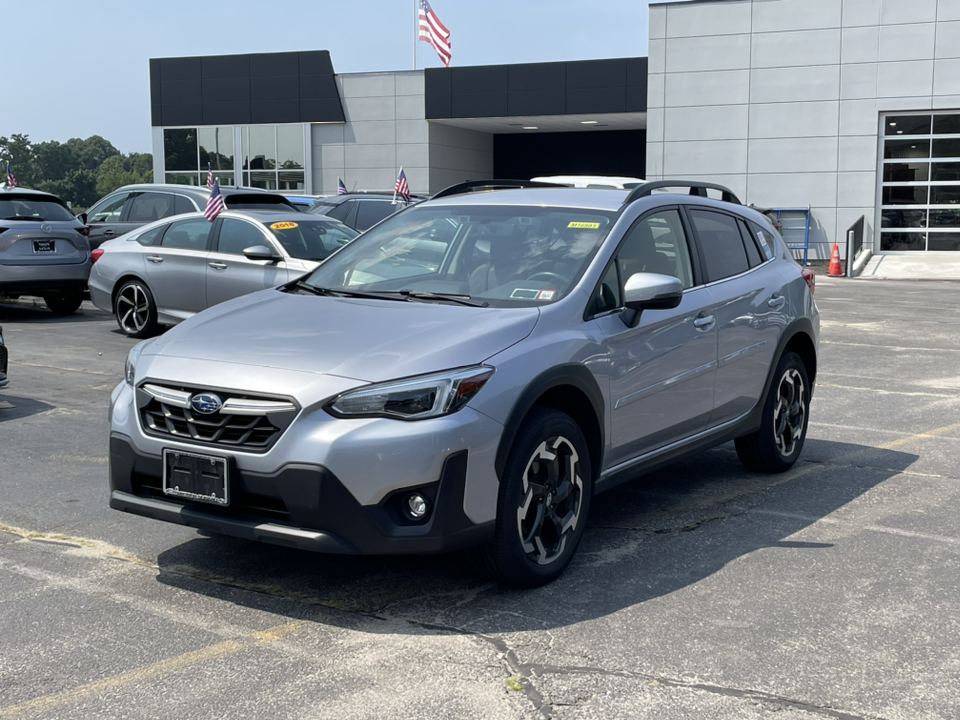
[[696, 188], [472, 185]]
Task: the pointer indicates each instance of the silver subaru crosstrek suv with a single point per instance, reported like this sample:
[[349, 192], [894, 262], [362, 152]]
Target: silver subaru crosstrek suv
[[469, 372]]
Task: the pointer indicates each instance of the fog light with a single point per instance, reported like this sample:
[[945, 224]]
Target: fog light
[[416, 506]]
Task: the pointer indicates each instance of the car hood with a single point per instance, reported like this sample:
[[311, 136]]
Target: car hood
[[367, 340]]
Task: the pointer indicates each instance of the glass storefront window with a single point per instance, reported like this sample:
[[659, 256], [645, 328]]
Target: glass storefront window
[[262, 147], [921, 198], [265, 180], [216, 148], [183, 178], [180, 149], [290, 180], [907, 125], [290, 147]]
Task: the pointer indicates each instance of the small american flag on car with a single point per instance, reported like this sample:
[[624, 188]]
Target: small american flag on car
[[11, 178], [341, 188], [214, 203], [401, 188]]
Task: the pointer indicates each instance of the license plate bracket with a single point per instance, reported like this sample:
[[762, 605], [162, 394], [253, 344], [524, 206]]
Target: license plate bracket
[[191, 476], [44, 246]]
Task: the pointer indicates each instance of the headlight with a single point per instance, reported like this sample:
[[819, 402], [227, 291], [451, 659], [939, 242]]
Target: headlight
[[130, 366], [415, 398]]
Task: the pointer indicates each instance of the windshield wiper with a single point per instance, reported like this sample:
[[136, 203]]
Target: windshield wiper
[[312, 289], [328, 292], [448, 297], [24, 217]]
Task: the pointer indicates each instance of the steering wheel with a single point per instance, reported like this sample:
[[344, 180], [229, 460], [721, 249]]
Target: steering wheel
[[560, 279]]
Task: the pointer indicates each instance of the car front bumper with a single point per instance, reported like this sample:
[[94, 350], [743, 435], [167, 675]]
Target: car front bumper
[[327, 485]]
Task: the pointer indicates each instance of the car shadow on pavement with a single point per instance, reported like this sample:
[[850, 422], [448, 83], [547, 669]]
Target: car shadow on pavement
[[653, 536], [17, 408], [20, 311]]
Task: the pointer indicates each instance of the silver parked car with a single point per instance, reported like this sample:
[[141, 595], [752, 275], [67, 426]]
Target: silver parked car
[[169, 270], [470, 372], [44, 249]]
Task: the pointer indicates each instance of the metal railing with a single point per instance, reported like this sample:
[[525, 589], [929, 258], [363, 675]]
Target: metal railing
[[854, 244]]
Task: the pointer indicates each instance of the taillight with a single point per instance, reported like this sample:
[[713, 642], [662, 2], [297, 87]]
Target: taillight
[[95, 255], [85, 230], [811, 277]]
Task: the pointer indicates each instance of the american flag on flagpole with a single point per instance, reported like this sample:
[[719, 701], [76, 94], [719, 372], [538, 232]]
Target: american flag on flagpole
[[214, 203], [11, 179], [435, 33], [341, 188], [401, 188], [209, 175]]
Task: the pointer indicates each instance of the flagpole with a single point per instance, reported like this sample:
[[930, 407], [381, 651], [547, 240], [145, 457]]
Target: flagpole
[[395, 186], [416, 30]]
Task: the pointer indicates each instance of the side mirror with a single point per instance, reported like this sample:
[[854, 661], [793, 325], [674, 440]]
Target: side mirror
[[82, 217], [649, 291], [260, 252]]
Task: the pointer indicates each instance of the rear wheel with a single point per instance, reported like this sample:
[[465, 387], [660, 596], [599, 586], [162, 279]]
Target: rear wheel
[[543, 502], [135, 309], [776, 445], [64, 303]]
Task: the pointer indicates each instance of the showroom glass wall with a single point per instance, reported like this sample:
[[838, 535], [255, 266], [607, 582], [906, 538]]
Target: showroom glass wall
[[920, 183], [271, 157]]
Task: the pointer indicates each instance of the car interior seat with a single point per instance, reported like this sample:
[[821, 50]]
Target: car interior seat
[[640, 254]]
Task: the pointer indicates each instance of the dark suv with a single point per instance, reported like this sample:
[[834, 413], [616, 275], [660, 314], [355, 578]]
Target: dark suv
[[132, 206], [43, 249], [361, 210]]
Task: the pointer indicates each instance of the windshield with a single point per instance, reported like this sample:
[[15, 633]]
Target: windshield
[[311, 239], [32, 207], [505, 256]]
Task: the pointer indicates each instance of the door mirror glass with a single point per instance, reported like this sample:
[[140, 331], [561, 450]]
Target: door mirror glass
[[260, 252]]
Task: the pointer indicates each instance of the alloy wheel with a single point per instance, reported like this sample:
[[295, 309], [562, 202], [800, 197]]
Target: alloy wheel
[[552, 500], [133, 309], [790, 412]]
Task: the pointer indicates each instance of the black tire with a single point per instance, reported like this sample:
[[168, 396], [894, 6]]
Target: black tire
[[538, 528], [64, 303], [776, 445], [135, 309]]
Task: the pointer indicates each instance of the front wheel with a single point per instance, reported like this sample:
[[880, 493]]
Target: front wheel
[[64, 303], [136, 310], [542, 504], [776, 445]]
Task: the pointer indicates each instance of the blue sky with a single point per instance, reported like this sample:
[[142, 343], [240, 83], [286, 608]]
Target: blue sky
[[78, 70]]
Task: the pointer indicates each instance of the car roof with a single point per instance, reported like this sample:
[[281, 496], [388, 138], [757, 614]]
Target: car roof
[[272, 216], [566, 197], [194, 189], [370, 195]]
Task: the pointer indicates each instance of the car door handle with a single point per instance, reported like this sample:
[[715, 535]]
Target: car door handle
[[703, 322], [776, 302], [108, 232], [155, 258], [218, 265]]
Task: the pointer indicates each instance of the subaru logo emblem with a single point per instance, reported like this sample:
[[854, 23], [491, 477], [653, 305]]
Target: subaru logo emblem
[[206, 403]]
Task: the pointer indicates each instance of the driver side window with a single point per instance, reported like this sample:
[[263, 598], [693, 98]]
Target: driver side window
[[656, 244]]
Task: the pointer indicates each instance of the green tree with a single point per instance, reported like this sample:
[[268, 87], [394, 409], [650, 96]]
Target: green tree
[[19, 152], [119, 170]]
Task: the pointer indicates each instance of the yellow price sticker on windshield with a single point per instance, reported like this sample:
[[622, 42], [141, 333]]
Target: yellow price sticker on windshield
[[584, 225], [283, 225]]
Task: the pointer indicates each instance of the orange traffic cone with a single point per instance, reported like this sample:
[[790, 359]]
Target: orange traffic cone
[[836, 270]]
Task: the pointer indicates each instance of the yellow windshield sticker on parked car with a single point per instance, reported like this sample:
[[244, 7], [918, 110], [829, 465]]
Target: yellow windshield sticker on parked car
[[283, 225], [584, 225]]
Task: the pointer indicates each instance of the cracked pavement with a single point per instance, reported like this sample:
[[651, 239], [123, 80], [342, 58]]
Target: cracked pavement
[[700, 590]]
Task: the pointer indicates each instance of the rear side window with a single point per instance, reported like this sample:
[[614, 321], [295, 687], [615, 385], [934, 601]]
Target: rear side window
[[187, 234], [753, 253], [764, 238], [149, 206], [150, 237], [182, 205], [720, 243], [373, 211], [342, 211]]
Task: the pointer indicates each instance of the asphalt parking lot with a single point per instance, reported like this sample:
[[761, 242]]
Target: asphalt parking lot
[[699, 591]]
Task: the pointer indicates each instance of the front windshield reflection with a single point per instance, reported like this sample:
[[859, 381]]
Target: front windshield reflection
[[507, 256]]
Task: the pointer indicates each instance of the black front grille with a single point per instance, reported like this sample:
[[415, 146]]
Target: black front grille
[[3, 360], [250, 433]]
